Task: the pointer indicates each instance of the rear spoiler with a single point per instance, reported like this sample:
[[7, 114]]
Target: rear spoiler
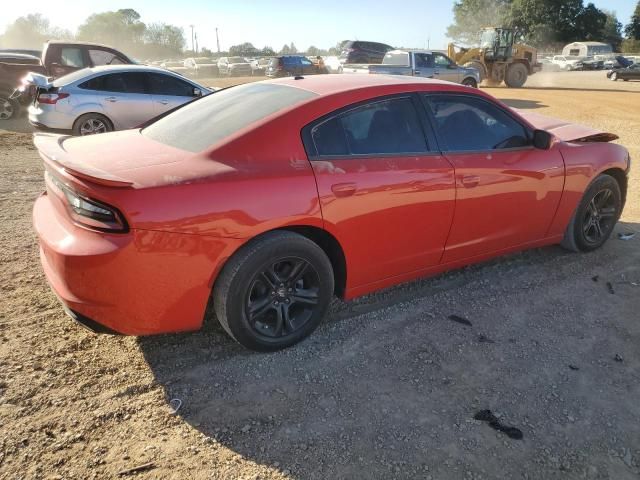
[[51, 148]]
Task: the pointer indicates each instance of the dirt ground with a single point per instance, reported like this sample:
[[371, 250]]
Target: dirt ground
[[386, 388]]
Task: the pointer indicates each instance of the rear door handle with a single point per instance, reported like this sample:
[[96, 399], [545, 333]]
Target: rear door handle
[[164, 102], [343, 189], [470, 181], [111, 99]]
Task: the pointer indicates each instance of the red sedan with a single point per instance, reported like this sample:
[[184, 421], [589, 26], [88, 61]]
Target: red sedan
[[264, 200]]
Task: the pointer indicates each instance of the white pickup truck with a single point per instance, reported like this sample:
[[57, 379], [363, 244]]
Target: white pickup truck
[[428, 64]]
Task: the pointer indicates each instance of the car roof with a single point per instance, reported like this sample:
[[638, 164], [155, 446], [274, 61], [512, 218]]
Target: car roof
[[332, 84], [126, 68]]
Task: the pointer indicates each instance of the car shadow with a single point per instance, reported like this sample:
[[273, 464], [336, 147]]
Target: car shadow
[[392, 393], [18, 124], [523, 104]]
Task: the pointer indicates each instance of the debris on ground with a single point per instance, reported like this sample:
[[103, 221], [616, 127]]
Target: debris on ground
[[626, 236], [610, 288], [595, 278], [618, 358], [494, 422], [139, 468], [574, 367], [174, 405], [461, 320], [484, 339]]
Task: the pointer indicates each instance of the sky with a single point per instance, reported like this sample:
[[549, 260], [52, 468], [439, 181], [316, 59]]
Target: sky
[[323, 23]]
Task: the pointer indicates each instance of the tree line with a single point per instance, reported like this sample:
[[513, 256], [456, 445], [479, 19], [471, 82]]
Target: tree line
[[545, 23], [124, 30]]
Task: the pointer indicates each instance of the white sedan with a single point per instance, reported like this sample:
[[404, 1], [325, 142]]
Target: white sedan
[[103, 99]]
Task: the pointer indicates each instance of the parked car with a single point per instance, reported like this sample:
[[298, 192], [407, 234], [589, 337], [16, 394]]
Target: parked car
[[264, 200], [291, 65], [234, 67], [58, 58], [333, 64], [103, 99], [201, 67], [259, 66], [591, 63], [627, 70], [428, 64], [363, 52], [567, 62], [175, 66]]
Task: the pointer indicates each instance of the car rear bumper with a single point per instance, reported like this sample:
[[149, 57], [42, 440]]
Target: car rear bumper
[[49, 118], [139, 283]]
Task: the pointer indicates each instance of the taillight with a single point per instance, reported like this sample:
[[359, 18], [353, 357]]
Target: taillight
[[51, 98], [88, 212]]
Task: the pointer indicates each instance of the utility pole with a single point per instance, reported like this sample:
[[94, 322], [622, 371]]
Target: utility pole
[[217, 40], [192, 40], [196, 35]]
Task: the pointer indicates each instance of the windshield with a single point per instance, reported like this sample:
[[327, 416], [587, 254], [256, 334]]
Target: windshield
[[237, 60], [487, 38], [203, 123]]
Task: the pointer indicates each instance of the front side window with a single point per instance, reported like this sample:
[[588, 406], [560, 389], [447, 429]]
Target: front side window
[[72, 57], [160, 84], [473, 124], [423, 60], [305, 61], [380, 128]]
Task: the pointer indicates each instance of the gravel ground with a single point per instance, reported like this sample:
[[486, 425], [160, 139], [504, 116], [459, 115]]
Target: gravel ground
[[386, 388]]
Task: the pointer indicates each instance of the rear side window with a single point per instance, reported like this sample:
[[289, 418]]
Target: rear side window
[[380, 128], [397, 58], [160, 84], [102, 57], [203, 123], [72, 57], [117, 82], [473, 124]]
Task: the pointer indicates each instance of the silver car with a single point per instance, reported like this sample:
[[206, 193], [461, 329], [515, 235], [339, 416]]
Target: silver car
[[103, 99]]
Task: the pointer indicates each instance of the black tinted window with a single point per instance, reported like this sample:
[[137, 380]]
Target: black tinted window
[[201, 124], [117, 82], [385, 127], [471, 124], [160, 84]]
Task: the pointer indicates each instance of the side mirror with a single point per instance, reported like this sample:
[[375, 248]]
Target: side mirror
[[542, 139], [197, 92]]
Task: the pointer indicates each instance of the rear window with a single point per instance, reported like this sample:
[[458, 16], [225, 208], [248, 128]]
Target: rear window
[[206, 122], [396, 59], [71, 77]]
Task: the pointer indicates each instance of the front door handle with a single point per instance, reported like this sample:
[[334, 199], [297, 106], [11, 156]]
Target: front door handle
[[416, 72], [343, 189], [470, 181], [111, 99], [436, 72], [164, 102]]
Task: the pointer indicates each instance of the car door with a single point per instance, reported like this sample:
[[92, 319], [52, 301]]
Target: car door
[[125, 99], [507, 190], [169, 92], [384, 190], [445, 69], [423, 65]]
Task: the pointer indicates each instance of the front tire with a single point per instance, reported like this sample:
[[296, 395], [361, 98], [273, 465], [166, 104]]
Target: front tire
[[516, 75], [470, 82], [596, 216], [274, 291], [614, 77]]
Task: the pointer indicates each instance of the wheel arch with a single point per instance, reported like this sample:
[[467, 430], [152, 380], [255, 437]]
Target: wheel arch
[[94, 112], [620, 177]]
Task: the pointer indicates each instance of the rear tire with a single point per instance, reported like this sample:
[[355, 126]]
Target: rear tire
[[516, 76], [595, 217], [92, 124], [274, 291]]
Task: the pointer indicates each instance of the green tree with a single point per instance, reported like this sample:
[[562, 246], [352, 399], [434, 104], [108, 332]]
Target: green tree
[[163, 41], [612, 31], [285, 50], [243, 50], [292, 48], [633, 29], [267, 51], [31, 31], [630, 45], [313, 51], [590, 23], [471, 16], [121, 29]]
